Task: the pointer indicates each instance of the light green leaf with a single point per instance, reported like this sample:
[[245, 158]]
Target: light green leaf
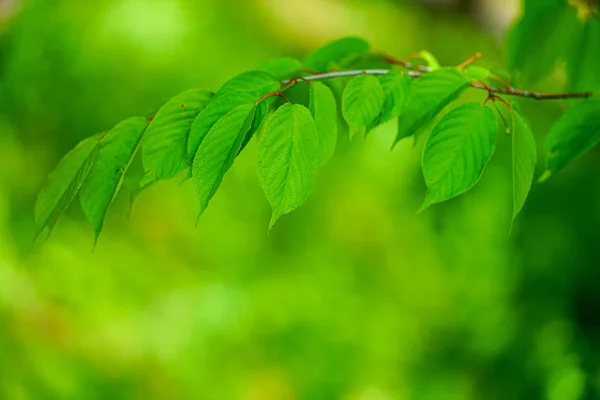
[[577, 131], [324, 112], [335, 53], [64, 183], [255, 83], [245, 88], [288, 156], [281, 67], [429, 95], [164, 152], [524, 158], [396, 90], [477, 72], [218, 150], [362, 101], [260, 116], [117, 149], [457, 151], [432, 62]]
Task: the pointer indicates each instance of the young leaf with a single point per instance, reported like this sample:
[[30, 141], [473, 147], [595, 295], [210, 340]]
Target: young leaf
[[244, 88], [64, 183], [218, 150], [432, 62], [164, 153], [335, 52], [288, 156], [281, 67], [577, 131], [428, 96], [324, 112], [524, 158], [116, 151], [457, 151], [362, 101], [396, 90]]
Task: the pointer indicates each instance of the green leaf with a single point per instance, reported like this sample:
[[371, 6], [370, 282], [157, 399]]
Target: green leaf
[[396, 90], [457, 151], [429, 95], [164, 152], [256, 83], [260, 116], [218, 150], [64, 183], [288, 156], [117, 149], [324, 112], [335, 53], [582, 62], [524, 158], [538, 40], [432, 62], [362, 101], [577, 131], [477, 72], [281, 67], [245, 88]]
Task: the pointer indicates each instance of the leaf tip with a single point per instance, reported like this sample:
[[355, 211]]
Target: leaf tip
[[544, 177]]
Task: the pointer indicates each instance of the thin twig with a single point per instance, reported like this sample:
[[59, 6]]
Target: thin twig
[[415, 74]]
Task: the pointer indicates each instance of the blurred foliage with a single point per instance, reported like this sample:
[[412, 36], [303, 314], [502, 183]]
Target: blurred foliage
[[351, 297]]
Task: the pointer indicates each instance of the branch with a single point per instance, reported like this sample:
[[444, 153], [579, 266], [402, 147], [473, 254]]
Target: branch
[[415, 74]]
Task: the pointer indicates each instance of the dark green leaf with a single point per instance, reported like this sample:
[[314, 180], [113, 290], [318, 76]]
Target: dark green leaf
[[324, 112], [288, 156], [362, 101], [583, 63], [218, 150], [577, 131], [524, 158], [117, 149], [164, 152], [457, 151], [539, 39], [335, 53], [429, 95], [64, 183]]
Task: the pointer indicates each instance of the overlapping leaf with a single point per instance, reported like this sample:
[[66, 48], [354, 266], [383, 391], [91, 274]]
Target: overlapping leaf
[[64, 183], [336, 53], [288, 156], [218, 150], [428, 96], [245, 88], [164, 152], [281, 67], [324, 112], [577, 131], [524, 158], [457, 151], [362, 101], [396, 90], [116, 151]]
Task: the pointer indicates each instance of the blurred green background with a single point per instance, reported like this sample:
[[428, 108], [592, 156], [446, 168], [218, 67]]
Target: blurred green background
[[351, 297]]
